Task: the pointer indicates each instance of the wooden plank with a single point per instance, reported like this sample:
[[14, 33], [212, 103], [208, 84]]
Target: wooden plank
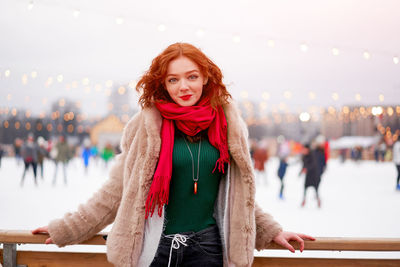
[[325, 262], [26, 237], [64, 259], [322, 243], [348, 244], [60, 259]]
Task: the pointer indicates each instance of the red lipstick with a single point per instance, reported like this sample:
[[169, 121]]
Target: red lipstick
[[185, 97]]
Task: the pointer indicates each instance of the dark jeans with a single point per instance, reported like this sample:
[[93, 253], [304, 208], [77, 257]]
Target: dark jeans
[[202, 249]]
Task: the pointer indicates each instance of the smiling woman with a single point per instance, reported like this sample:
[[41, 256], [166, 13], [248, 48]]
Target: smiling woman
[[184, 81], [179, 65], [185, 156]]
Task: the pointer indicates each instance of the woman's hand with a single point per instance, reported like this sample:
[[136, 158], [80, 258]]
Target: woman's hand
[[43, 230], [283, 239]]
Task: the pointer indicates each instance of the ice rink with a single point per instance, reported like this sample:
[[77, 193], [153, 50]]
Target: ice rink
[[358, 199]]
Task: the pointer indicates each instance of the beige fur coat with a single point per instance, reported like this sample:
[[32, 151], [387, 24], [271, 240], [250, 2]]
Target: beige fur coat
[[133, 240]]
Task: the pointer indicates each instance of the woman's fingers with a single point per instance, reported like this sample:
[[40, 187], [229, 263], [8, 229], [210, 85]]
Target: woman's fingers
[[288, 246], [308, 237], [282, 240], [43, 229], [300, 240]]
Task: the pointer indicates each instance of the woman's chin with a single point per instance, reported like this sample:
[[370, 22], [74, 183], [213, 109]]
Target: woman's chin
[[183, 103]]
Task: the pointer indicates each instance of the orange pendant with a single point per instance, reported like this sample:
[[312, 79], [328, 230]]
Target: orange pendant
[[195, 188]]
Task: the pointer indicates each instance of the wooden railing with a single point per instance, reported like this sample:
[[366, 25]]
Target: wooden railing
[[10, 257]]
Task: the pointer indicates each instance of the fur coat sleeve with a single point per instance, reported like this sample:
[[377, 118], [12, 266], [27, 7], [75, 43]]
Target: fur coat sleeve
[[246, 215], [266, 228], [100, 210]]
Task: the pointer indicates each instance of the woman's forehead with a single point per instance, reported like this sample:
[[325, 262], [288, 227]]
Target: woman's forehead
[[182, 65]]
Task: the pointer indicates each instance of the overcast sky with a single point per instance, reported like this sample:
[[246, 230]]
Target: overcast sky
[[82, 39]]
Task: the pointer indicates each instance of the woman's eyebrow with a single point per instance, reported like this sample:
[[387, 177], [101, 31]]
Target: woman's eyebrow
[[173, 74]]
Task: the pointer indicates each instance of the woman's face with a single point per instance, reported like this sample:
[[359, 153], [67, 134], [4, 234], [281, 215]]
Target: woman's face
[[184, 81]]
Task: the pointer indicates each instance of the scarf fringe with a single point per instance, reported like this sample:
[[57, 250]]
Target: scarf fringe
[[223, 146], [158, 196]]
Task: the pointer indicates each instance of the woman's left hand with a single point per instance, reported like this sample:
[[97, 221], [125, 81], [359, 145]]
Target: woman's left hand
[[283, 239]]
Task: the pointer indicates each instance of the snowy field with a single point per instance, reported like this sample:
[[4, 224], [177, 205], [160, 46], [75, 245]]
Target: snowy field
[[358, 200]]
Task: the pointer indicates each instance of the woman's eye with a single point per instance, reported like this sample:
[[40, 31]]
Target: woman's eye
[[193, 77], [172, 80]]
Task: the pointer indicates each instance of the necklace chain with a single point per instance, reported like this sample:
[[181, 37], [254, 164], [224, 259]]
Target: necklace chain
[[198, 160]]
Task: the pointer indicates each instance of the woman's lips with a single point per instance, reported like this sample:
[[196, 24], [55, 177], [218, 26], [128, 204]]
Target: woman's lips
[[185, 97]]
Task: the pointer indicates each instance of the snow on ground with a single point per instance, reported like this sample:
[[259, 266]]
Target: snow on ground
[[358, 199]]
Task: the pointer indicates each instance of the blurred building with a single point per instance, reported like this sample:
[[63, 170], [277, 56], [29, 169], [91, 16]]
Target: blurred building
[[66, 118], [331, 122], [361, 121], [107, 131]]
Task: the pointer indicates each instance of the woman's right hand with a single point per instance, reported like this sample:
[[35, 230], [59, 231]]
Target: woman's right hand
[[43, 230]]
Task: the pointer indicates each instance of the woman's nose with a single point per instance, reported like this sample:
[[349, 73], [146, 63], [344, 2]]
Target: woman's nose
[[183, 84]]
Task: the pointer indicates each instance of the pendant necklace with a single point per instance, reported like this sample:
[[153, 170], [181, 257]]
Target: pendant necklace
[[198, 165]]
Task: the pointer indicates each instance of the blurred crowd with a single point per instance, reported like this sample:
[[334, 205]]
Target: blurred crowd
[[379, 152], [313, 155], [32, 153], [314, 158]]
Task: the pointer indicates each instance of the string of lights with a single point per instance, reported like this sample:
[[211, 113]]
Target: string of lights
[[277, 113], [201, 32]]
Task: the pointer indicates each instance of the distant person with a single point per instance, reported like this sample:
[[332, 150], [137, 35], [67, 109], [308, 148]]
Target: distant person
[[396, 160], [356, 153], [320, 157], [382, 150], [107, 154], [321, 154], [117, 149], [311, 170], [283, 163], [252, 146], [376, 153], [1, 153], [94, 152], [327, 150], [359, 153], [29, 153], [283, 154], [62, 155], [18, 142], [42, 154], [342, 154], [260, 157], [86, 154]]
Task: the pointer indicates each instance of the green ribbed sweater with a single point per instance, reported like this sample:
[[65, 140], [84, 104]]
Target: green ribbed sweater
[[185, 210]]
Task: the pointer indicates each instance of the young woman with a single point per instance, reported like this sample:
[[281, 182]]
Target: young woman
[[181, 192]]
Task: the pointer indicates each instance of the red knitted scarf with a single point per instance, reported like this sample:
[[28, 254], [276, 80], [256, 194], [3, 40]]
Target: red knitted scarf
[[190, 120]]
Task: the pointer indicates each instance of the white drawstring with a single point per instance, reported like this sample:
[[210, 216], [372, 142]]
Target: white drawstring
[[176, 239]]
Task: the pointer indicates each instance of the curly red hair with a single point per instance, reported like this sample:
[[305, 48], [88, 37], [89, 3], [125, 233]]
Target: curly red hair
[[151, 85]]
